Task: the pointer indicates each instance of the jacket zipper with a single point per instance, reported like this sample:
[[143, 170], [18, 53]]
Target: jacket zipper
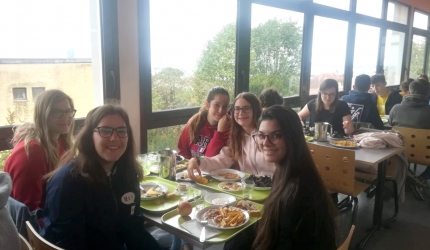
[[114, 196]]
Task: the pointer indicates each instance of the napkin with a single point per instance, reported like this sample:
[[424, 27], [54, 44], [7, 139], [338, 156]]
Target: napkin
[[195, 228]]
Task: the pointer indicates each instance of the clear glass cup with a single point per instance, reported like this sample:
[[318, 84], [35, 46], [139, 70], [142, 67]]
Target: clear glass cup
[[199, 199], [184, 191], [247, 188]]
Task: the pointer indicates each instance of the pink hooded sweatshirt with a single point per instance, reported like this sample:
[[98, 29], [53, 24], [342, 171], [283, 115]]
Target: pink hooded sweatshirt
[[251, 161]]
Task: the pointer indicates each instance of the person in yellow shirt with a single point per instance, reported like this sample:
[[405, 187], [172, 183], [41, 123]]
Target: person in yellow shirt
[[383, 97]]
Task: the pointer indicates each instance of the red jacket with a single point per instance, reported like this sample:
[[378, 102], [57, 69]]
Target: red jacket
[[208, 143], [27, 173]]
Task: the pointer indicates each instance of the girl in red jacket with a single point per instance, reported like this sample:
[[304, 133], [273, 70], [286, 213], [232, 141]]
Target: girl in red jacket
[[208, 130], [38, 147]]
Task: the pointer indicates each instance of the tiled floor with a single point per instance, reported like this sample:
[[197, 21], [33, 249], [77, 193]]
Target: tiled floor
[[411, 231]]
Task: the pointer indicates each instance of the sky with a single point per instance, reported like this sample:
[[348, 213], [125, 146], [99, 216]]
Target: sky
[[180, 31]]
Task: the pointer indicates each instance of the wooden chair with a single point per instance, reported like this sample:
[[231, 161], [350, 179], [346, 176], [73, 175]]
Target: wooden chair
[[24, 243], [37, 242], [337, 169], [389, 176], [417, 147], [345, 244]]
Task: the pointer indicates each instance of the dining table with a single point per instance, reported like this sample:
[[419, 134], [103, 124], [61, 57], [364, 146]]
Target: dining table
[[377, 158]]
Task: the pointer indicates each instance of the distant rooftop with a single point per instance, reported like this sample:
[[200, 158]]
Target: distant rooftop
[[43, 60]]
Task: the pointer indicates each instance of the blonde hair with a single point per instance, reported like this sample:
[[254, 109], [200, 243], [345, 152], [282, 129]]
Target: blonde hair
[[40, 132]]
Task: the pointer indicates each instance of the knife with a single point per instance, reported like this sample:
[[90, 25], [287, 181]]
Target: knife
[[203, 232]]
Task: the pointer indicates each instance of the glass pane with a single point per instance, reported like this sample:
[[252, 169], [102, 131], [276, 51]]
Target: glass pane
[[340, 4], [417, 55], [397, 13], [370, 7], [192, 50], [276, 49], [328, 51], [49, 44], [421, 20], [161, 138], [394, 45], [366, 50]]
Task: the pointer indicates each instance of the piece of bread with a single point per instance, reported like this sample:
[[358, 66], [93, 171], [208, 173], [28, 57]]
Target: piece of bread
[[254, 213], [153, 193], [170, 195]]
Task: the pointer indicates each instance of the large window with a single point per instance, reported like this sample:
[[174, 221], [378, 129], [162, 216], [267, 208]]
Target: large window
[[276, 45], [421, 20], [394, 46], [397, 13], [49, 44], [418, 52], [371, 8], [193, 44], [340, 4], [328, 52], [161, 138], [366, 50]]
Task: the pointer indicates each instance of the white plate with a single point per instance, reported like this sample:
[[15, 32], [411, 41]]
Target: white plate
[[154, 169], [216, 174], [200, 214], [220, 199], [179, 175], [147, 186], [224, 186], [358, 145], [338, 138]]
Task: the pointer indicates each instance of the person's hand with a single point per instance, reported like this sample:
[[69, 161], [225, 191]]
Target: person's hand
[[346, 124], [224, 123], [302, 123], [193, 165]]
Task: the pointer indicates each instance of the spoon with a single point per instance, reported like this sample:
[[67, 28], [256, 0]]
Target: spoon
[[203, 232]]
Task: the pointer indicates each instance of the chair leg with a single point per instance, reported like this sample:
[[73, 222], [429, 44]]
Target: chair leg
[[396, 203], [354, 210], [415, 168], [347, 202]]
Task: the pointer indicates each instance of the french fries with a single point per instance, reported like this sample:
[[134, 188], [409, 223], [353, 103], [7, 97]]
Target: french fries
[[227, 216]]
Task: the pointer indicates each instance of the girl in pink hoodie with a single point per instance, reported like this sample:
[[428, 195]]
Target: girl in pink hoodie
[[242, 152]]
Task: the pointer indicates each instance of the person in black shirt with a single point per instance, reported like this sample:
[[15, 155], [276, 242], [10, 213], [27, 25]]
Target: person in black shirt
[[327, 108]]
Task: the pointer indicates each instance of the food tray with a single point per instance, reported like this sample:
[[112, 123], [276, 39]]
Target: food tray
[[173, 219], [257, 195], [165, 205]]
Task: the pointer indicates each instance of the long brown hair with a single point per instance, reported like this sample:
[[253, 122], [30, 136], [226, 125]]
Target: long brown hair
[[236, 134], [197, 121], [40, 132], [84, 154], [326, 84], [296, 184]]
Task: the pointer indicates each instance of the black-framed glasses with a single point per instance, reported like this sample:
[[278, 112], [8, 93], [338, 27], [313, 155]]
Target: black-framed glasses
[[57, 113], [332, 95], [245, 109], [274, 137], [106, 132]]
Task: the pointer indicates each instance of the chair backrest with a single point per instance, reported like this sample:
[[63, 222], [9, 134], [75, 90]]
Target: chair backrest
[[336, 166], [37, 242], [24, 243], [346, 243], [417, 144]]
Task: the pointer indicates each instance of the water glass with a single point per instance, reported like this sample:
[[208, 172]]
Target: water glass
[[184, 191], [199, 199], [247, 188]]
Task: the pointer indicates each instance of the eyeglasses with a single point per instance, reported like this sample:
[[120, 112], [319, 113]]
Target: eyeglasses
[[106, 132], [273, 137], [328, 95], [57, 113], [245, 109]]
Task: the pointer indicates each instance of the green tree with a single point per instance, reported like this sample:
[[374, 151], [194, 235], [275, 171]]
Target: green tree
[[417, 59]]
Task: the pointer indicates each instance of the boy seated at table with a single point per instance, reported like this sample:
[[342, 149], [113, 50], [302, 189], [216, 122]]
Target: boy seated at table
[[384, 98]]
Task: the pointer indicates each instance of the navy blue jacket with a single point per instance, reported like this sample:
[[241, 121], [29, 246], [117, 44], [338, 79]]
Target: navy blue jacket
[[78, 215], [368, 112]]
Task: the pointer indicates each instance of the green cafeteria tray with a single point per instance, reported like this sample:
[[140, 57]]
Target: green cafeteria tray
[[257, 195], [165, 205], [173, 219]]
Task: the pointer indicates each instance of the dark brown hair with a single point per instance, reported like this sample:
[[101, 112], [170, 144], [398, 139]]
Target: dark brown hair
[[84, 154], [197, 121], [297, 186], [327, 84], [236, 134]]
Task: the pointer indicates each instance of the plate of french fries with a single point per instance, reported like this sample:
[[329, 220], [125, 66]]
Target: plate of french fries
[[227, 175], [223, 217], [345, 144]]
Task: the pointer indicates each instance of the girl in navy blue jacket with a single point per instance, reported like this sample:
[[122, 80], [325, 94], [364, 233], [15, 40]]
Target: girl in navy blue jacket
[[93, 201]]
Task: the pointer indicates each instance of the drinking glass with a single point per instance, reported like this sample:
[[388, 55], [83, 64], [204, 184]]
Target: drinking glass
[[247, 188], [184, 191], [199, 199]]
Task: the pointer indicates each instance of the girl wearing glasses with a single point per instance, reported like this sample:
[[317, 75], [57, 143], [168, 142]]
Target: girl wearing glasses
[[93, 200], [328, 108], [208, 130], [38, 147], [298, 214], [241, 150]]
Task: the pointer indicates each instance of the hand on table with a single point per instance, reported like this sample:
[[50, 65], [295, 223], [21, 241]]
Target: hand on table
[[193, 165]]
